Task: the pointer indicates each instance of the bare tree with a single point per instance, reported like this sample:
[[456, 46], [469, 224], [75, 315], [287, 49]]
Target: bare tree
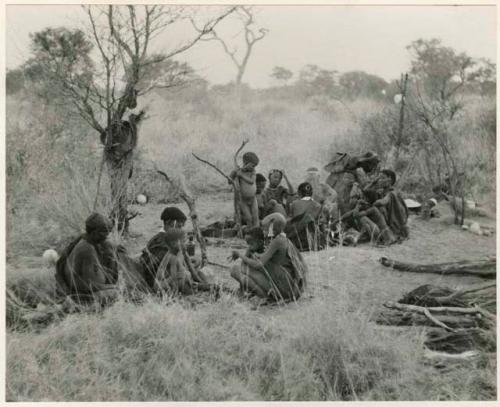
[[116, 68], [239, 54], [439, 75]]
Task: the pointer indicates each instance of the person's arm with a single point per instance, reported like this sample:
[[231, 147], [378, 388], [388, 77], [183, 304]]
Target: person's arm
[[288, 184], [259, 262], [87, 268], [383, 201], [249, 179]]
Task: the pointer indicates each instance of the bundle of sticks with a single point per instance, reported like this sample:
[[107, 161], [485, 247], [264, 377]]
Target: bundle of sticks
[[461, 320]]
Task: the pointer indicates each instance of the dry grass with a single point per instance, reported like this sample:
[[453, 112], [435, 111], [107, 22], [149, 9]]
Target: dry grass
[[323, 348], [225, 351]]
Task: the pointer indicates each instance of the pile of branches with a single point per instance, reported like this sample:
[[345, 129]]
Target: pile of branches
[[463, 322]]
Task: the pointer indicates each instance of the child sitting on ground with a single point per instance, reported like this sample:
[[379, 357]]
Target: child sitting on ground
[[261, 182], [172, 276], [244, 179], [277, 196]]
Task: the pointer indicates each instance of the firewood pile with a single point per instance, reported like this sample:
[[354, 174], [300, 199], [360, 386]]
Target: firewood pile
[[462, 323]]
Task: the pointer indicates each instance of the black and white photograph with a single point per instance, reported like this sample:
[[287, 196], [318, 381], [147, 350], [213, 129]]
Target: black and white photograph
[[250, 202]]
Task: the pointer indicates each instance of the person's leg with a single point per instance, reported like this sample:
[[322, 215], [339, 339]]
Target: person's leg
[[386, 234], [247, 280], [246, 213], [369, 230], [255, 213]]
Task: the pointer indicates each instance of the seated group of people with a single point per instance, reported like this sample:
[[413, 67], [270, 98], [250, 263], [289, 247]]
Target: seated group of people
[[278, 223], [357, 197], [88, 268]]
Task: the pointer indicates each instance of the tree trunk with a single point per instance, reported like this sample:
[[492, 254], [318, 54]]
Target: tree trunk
[[399, 140], [119, 171]]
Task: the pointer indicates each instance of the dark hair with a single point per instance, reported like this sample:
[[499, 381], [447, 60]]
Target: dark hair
[[255, 232], [96, 221], [250, 157], [274, 171], [260, 178], [391, 174], [172, 213], [305, 189]]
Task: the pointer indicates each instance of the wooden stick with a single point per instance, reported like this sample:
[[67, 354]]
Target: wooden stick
[[213, 263], [482, 268], [458, 293], [214, 167], [243, 144], [419, 310], [464, 311], [443, 356], [192, 214], [237, 193]]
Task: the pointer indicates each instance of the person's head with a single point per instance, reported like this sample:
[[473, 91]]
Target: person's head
[[97, 227], [312, 175], [260, 182], [250, 160], [174, 238], [173, 217], [275, 220], [255, 238], [305, 189], [275, 177], [387, 178]]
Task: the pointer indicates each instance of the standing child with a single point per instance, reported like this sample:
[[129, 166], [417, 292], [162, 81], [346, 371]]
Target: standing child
[[245, 180]]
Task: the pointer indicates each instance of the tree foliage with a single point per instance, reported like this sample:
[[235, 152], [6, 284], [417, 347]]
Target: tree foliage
[[357, 84], [281, 74]]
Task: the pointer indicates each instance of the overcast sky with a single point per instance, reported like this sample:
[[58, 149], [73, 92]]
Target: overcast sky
[[343, 38]]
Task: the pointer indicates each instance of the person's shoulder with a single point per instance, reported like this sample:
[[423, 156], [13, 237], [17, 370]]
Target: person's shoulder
[[83, 245], [158, 238], [83, 249]]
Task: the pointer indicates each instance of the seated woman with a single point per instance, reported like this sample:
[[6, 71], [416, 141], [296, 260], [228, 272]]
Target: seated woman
[[87, 269], [279, 273]]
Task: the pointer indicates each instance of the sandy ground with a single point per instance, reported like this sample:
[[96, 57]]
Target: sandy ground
[[351, 271]]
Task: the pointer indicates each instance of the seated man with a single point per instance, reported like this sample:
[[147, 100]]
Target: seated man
[[358, 223], [157, 247], [87, 269], [389, 212], [323, 194], [306, 228], [305, 203], [346, 170]]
